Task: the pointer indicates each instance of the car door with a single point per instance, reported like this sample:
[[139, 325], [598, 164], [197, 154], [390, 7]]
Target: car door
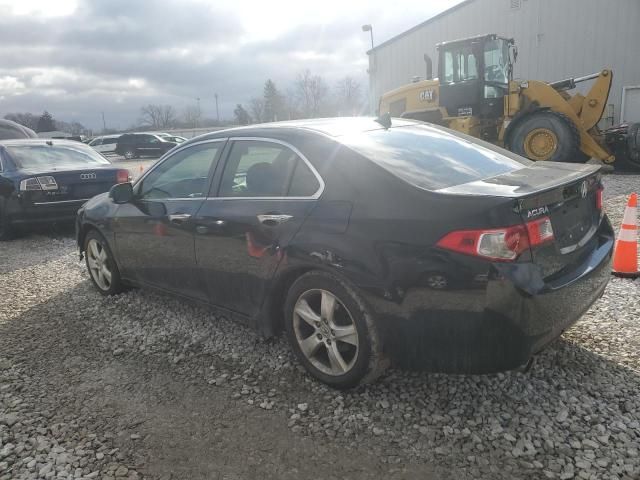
[[96, 144], [108, 145], [266, 190], [147, 145], [154, 233], [154, 146]]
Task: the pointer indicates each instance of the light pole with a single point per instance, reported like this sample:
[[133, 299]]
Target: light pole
[[197, 115], [217, 111], [368, 28]]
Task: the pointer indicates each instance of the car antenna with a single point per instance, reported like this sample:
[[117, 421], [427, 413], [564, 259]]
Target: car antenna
[[384, 120]]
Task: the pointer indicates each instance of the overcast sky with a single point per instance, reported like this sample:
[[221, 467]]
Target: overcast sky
[[77, 58]]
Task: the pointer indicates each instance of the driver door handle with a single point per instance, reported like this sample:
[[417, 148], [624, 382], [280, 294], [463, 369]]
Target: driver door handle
[[179, 218], [272, 220]]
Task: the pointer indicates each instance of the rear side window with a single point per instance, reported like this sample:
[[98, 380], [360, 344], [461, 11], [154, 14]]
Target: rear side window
[[432, 158], [266, 169]]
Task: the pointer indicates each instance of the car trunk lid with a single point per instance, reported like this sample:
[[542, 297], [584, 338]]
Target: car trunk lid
[[565, 193], [77, 184]]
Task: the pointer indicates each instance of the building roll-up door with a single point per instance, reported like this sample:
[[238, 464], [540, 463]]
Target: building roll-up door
[[630, 104]]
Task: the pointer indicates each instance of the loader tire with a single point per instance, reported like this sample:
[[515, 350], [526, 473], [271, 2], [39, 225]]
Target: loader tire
[[547, 136]]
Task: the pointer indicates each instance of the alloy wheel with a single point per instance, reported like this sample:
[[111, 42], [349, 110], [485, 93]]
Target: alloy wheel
[[437, 282], [129, 154], [326, 332], [98, 261]]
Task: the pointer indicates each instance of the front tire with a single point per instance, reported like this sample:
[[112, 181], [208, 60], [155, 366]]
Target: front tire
[[101, 265], [332, 332], [547, 136], [129, 154]]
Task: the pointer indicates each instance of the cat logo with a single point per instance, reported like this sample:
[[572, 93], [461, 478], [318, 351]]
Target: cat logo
[[427, 95]]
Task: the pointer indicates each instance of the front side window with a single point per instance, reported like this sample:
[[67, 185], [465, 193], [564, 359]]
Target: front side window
[[95, 142], [183, 175], [266, 169], [496, 55]]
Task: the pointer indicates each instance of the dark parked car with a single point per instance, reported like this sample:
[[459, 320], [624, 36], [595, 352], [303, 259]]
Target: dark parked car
[[364, 243], [135, 145], [48, 180]]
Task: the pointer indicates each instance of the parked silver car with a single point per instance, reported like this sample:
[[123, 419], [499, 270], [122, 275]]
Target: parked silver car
[[106, 144]]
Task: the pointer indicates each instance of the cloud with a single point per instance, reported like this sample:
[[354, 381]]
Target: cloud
[[117, 55]]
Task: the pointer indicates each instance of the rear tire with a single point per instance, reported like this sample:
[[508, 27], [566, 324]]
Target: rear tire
[[547, 136], [332, 332], [129, 154], [101, 265]]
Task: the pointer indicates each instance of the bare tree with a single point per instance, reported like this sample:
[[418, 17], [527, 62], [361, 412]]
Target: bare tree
[[192, 115], [256, 105], [311, 92], [158, 116], [348, 95]]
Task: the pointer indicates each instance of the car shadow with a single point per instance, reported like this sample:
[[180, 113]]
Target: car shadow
[[431, 420], [14, 254]]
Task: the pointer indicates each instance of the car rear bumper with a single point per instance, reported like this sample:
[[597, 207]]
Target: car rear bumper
[[495, 327]]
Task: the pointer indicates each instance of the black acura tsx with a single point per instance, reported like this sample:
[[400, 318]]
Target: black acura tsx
[[366, 242], [45, 181]]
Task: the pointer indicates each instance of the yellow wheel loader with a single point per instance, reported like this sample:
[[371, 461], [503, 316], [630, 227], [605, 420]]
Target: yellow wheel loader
[[477, 95]]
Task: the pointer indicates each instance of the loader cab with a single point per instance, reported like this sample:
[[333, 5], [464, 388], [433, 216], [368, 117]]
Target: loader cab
[[474, 75]]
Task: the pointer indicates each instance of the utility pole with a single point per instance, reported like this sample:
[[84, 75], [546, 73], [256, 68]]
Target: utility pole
[[104, 124], [198, 115], [217, 111]]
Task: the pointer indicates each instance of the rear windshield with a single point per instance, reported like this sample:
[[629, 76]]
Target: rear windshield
[[433, 158], [46, 156]]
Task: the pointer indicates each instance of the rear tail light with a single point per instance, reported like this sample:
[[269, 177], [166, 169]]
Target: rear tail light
[[38, 183], [599, 192], [540, 231], [503, 244], [123, 176]]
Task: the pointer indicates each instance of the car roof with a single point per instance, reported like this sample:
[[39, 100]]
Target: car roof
[[332, 127], [14, 142]]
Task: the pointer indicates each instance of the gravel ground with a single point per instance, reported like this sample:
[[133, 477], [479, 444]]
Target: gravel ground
[[148, 386]]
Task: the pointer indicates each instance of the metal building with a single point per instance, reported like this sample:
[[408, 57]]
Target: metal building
[[556, 39]]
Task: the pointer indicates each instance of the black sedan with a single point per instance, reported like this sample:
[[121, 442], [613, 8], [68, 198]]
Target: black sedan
[[365, 243], [48, 180]]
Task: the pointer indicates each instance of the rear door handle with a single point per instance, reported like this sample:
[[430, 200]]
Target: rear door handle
[[179, 218], [273, 220]]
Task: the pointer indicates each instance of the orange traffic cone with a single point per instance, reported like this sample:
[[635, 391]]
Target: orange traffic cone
[[625, 255]]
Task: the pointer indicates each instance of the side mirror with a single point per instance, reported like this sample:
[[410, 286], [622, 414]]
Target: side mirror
[[121, 193], [6, 186]]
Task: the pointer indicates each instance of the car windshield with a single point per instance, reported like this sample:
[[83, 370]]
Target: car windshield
[[56, 156], [432, 158]]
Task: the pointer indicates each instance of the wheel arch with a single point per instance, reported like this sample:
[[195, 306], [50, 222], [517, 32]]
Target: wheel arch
[[271, 321], [84, 230]]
